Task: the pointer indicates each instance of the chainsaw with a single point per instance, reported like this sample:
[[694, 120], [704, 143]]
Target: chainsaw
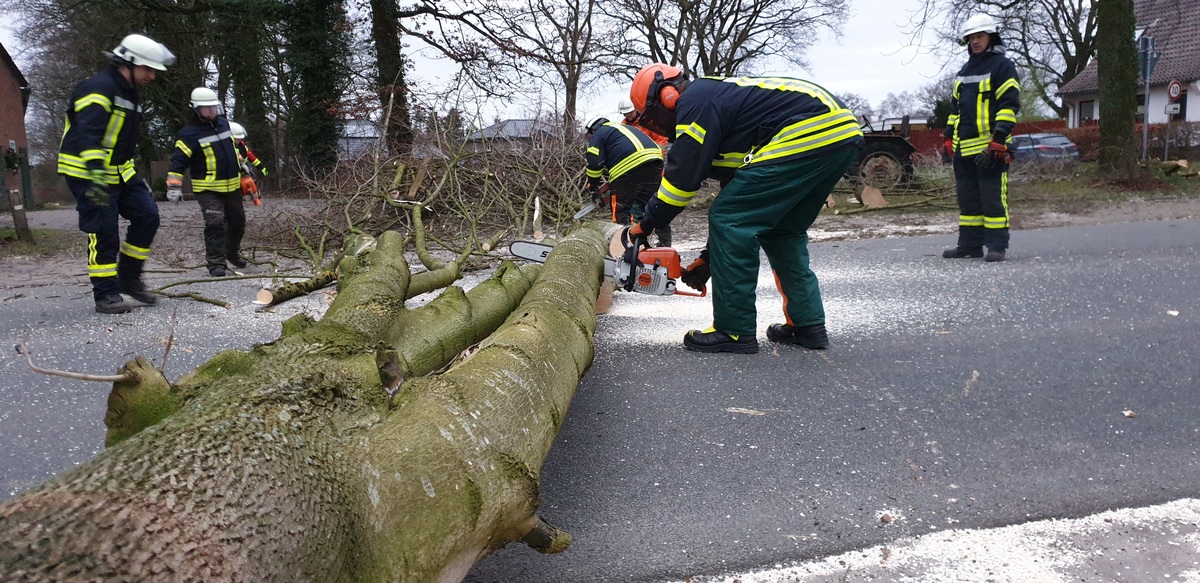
[[652, 271], [249, 186]]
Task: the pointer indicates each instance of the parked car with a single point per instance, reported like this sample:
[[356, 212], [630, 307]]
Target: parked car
[[1044, 149]]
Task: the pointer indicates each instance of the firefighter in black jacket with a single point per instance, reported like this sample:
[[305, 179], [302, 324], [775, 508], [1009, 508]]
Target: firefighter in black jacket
[[634, 164], [102, 128], [205, 147], [778, 145], [983, 111]]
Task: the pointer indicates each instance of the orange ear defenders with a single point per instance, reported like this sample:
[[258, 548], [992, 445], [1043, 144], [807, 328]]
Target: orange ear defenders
[[667, 94]]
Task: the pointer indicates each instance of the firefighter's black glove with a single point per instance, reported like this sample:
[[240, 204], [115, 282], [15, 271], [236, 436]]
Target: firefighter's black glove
[[98, 191], [696, 274], [994, 158]]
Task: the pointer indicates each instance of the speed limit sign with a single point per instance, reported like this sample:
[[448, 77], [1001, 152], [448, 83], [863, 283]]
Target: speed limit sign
[[1174, 90]]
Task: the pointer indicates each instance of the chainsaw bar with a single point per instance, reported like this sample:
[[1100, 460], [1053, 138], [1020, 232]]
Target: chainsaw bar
[[540, 251]]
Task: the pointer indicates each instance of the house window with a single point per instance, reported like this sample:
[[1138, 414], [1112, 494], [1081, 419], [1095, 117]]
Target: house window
[[1183, 105], [1087, 111]]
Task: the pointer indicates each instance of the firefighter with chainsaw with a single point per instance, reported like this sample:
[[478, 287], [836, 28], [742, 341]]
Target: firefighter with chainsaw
[[983, 112], [634, 164], [205, 147], [102, 128], [778, 145], [247, 159]]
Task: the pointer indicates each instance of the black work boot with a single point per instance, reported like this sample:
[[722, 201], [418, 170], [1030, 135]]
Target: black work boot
[[217, 271], [994, 255], [813, 337], [237, 261], [963, 253], [112, 304], [712, 341], [136, 289]]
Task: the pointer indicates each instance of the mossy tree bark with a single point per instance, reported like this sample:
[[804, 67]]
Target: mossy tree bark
[[288, 463]]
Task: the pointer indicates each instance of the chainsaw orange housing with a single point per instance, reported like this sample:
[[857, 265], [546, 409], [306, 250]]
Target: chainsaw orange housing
[[664, 256]]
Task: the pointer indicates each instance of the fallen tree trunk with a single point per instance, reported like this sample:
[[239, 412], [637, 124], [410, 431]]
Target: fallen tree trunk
[[287, 464]]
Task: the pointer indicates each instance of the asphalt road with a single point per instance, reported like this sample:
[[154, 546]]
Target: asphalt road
[[957, 394]]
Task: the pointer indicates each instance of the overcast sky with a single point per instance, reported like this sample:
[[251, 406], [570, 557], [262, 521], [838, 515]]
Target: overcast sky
[[870, 58]]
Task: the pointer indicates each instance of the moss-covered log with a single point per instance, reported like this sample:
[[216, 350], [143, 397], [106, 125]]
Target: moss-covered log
[[287, 463]]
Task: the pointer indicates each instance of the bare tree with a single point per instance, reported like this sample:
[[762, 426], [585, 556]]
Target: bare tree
[[721, 37], [858, 104]]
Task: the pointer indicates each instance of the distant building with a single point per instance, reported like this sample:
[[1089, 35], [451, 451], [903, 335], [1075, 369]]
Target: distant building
[[14, 99], [1175, 27], [359, 137], [508, 134]]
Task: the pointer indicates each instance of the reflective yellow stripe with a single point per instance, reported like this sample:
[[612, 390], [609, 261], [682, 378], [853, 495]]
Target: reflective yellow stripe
[[693, 130], [673, 196], [970, 220], [182, 147], [76, 167], [594, 173], [135, 251], [995, 222], [731, 160], [1005, 86], [210, 163], [91, 249], [640, 155], [93, 99], [787, 84], [633, 161], [594, 150], [174, 179], [217, 185], [106, 270], [1006, 115], [972, 146], [810, 134], [115, 121]]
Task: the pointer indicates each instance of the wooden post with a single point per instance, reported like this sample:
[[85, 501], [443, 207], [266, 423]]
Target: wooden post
[[17, 203]]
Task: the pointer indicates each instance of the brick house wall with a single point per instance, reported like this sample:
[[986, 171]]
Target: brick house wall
[[12, 103]]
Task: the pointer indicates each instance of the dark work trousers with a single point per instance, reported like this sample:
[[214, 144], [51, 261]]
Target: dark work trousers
[[770, 206], [131, 200], [224, 225], [632, 191], [982, 205]]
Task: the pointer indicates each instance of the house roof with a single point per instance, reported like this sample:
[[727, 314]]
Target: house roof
[[510, 129], [16, 71], [1176, 36]]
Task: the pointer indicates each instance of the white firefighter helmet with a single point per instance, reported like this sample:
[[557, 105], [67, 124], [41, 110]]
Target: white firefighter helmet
[[137, 49], [978, 23], [624, 106], [594, 124], [202, 96], [237, 130]]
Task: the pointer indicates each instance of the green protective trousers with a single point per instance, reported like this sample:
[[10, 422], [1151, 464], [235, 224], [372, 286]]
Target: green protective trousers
[[770, 206]]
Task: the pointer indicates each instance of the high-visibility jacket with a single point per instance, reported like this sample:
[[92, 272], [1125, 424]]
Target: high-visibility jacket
[[206, 149], [102, 128], [725, 124], [246, 154], [985, 102], [658, 138], [618, 148]]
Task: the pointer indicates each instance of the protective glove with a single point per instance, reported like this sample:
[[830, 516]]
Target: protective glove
[[174, 194], [696, 274], [948, 150], [993, 158], [263, 169], [98, 191]]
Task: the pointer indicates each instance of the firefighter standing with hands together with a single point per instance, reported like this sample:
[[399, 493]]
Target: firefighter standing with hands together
[[983, 112]]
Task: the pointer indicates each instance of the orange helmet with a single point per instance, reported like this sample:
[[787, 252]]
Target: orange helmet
[[655, 78]]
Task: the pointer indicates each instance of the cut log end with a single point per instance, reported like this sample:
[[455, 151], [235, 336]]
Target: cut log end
[[546, 538], [264, 297]]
